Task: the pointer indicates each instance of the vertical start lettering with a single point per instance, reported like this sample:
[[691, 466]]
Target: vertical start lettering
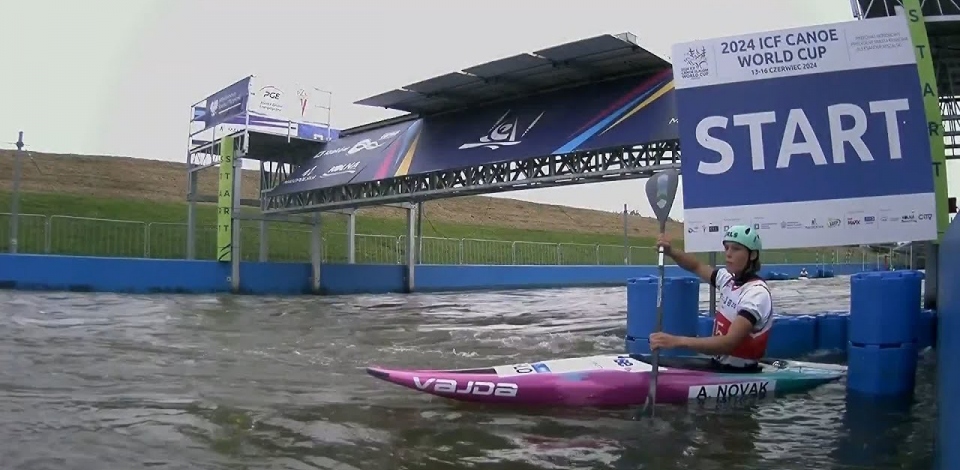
[[931, 107], [225, 200]]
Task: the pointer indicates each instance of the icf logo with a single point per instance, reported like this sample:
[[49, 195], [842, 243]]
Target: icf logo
[[505, 132]]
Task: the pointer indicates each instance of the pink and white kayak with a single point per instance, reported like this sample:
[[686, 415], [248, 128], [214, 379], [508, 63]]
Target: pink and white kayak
[[611, 380]]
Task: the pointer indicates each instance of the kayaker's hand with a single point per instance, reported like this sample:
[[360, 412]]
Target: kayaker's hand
[[665, 243], [664, 341]]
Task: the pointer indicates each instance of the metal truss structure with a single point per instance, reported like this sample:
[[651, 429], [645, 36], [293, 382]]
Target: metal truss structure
[[273, 149], [570, 65], [946, 58], [562, 66], [942, 18], [541, 172]]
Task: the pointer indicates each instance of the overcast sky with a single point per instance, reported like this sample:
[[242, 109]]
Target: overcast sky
[[117, 77]]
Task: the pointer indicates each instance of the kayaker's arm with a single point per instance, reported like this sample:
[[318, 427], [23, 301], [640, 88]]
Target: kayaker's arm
[[692, 264], [720, 345]]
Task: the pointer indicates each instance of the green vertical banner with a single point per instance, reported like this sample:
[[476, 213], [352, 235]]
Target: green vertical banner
[[225, 201], [931, 104]]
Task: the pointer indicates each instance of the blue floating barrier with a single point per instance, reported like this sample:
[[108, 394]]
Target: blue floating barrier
[[880, 370], [681, 304], [926, 329], [861, 445], [832, 331], [792, 336], [705, 326], [884, 308], [637, 346]]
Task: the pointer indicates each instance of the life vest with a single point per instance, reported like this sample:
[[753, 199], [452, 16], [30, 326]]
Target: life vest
[[754, 297]]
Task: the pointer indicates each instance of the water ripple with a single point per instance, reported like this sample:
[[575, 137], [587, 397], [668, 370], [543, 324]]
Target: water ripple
[[215, 382]]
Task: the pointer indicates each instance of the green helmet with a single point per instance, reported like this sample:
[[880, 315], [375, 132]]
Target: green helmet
[[744, 235]]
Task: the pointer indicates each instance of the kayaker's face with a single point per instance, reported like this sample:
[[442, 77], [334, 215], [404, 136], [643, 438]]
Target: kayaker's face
[[736, 256]]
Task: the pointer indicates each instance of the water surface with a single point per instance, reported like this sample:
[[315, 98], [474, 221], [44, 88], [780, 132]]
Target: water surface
[[104, 381]]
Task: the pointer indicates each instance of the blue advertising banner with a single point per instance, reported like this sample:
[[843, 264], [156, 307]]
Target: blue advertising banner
[[609, 114], [618, 113], [227, 103], [814, 136], [367, 156]]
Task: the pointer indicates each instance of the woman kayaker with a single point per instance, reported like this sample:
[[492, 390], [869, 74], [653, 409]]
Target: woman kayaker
[[744, 313]]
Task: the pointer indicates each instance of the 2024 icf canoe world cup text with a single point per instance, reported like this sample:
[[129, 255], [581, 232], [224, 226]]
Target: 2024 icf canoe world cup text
[[781, 52]]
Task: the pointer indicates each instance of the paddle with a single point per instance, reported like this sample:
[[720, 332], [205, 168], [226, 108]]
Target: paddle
[[661, 191]]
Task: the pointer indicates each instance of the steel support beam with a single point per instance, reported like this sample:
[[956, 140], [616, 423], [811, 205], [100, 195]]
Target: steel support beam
[[352, 237], [236, 254], [541, 172], [411, 249], [316, 254]]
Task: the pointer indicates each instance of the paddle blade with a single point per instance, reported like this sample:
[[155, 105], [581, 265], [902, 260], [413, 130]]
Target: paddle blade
[[661, 191]]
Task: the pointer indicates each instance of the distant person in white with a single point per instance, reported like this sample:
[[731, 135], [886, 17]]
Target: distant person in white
[[744, 313]]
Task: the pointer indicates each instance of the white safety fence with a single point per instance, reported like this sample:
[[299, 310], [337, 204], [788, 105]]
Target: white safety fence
[[84, 236]]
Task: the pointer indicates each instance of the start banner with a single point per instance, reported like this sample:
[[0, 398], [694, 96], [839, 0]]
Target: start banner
[[815, 136]]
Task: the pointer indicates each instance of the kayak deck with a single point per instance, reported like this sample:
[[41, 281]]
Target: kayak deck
[[611, 380]]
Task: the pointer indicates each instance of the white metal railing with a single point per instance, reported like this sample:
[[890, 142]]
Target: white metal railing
[[70, 235]]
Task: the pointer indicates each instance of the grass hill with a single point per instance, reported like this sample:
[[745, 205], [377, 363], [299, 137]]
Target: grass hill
[[160, 181], [126, 188]]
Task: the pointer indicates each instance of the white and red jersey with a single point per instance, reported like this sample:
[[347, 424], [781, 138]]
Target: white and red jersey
[[751, 300]]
